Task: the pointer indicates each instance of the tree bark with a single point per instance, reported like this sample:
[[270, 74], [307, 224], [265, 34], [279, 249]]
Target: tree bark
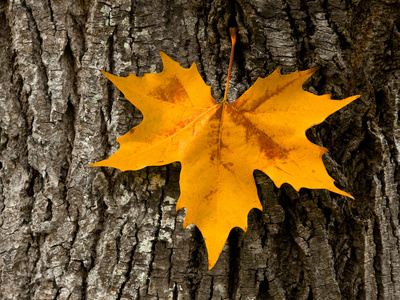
[[68, 231]]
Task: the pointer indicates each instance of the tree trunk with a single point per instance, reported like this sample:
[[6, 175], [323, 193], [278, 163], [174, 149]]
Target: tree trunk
[[69, 231]]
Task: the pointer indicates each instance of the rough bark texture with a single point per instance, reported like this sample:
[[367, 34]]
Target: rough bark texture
[[68, 231]]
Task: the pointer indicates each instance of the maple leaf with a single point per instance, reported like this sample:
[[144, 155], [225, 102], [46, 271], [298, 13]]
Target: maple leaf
[[220, 144]]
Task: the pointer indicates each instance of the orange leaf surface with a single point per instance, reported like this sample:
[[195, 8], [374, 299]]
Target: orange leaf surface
[[221, 144]]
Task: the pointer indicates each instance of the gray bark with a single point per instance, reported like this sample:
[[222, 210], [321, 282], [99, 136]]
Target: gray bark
[[68, 231]]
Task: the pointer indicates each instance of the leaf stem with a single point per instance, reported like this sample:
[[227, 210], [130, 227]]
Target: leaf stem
[[232, 32]]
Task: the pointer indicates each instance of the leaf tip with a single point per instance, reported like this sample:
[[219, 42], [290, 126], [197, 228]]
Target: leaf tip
[[210, 265], [97, 164], [307, 73], [313, 70], [352, 98], [109, 76], [212, 261], [323, 150], [346, 194], [340, 192], [103, 163], [166, 59], [162, 54]]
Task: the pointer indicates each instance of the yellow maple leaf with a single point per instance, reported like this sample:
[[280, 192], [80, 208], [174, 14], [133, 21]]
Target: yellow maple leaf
[[220, 144]]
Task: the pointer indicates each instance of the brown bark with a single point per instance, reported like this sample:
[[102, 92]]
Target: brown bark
[[68, 231]]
